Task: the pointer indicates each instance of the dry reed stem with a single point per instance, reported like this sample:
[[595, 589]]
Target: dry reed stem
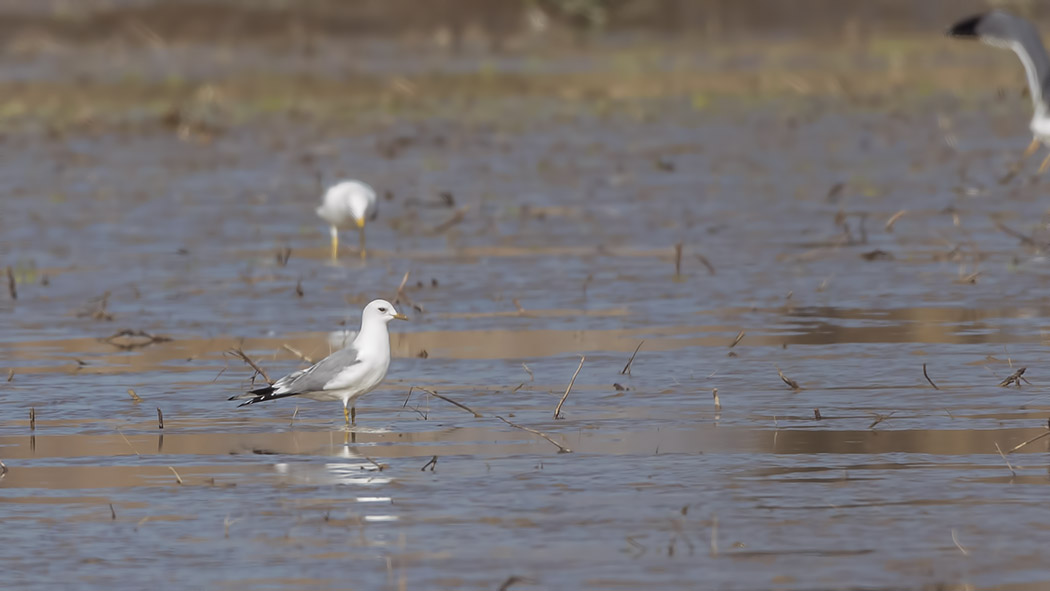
[[177, 477], [10, 374], [959, 545], [297, 353], [456, 218], [706, 263], [1025, 240], [714, 536], [557, 410], [893, 219], [561, 448], [112, 512], [627, 368], [32, 418], [134, 397], [739, 337], [1003, 456], [528, 371], [129, 443], [476, 414], [1032, 440], [160, 419], [927, 376], [718, 403], [238, 352], [12, 285], [678, 260]]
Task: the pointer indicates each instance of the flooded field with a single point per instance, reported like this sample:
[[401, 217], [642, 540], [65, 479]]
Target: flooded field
[[801, 243]]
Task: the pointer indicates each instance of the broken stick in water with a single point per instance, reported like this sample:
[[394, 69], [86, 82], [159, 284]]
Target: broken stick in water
[[561, 448], [790, 382], [1014, 378], [476, 414], [927, 376], [627, 368]]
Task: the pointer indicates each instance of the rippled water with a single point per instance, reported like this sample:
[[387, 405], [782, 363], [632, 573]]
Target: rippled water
[[558, 243]]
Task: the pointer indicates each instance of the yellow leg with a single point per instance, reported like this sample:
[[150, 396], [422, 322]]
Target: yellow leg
[[346, 415], [1016, 168], [1044, 165], [335, 243], [361, 232]]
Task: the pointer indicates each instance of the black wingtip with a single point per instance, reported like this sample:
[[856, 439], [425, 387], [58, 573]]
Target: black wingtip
[[966, 28], [252, 401]]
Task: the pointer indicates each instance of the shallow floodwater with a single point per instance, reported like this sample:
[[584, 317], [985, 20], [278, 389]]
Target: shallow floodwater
[[529, 242]]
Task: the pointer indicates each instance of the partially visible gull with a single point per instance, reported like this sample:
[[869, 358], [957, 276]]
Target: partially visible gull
[[346, 201], [345, 375], [1002, 29]]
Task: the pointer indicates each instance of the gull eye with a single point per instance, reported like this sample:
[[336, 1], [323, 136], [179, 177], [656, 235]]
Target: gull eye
[[382, 309]]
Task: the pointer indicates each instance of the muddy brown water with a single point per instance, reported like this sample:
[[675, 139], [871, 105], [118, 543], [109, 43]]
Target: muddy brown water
[[558, 242]]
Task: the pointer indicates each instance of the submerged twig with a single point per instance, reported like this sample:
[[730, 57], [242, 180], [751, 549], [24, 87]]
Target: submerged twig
[[927, 376], [879, 418], [160, 419], [561, 448], [378, 466], [557, 410], [476, 414], [627, 368], [431, 464]]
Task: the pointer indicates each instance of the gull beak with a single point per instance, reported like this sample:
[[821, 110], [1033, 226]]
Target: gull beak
[[400, 317], [360, 222]]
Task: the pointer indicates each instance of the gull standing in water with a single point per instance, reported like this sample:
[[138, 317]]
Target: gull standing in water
[[345, 201], [1002, 29], [345, 375]]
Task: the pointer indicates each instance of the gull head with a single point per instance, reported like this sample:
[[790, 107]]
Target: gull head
[[997, 28], [348, 200], [382, 311]]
